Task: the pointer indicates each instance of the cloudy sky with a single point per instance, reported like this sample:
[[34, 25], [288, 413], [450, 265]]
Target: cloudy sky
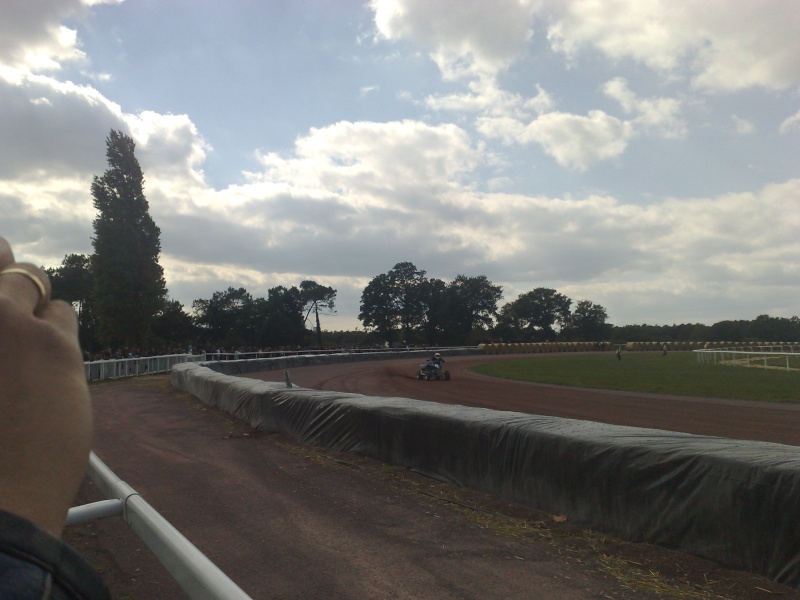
[[641, 154]]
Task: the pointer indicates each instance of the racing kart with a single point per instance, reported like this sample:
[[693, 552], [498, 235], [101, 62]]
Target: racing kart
[[430, 371]]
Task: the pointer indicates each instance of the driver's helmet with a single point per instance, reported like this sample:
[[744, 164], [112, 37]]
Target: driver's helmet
[[437, 355]]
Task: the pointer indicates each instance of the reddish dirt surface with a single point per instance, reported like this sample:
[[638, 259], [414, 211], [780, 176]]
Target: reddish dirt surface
[[736, 419], [285, 520]]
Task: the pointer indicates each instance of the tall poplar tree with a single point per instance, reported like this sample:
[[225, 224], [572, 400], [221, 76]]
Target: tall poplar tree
[[129, 288]]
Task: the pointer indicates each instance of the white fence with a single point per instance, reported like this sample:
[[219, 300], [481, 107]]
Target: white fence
[[195, 573], [98, 370], [772, 356]]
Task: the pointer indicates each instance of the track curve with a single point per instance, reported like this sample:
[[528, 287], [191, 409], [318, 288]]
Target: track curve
[[735, 419]]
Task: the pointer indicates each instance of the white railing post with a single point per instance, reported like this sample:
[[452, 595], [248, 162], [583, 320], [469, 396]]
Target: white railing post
[[758, 356], [200, 578], [96, 510]]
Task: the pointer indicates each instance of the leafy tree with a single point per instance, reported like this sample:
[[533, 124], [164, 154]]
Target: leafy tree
[[408, 288], [640, 333], [729, 331], [506, 329], [405, 299], [588, 322], [129, 288], [284, 324], [769, 329], [761, 329], [72, 282], [223, 319], [317, 298], [792, 331], [476, 299], [533, 314], [436, 311], [378, 307], [468, 303], [395, 300], [173, 326]]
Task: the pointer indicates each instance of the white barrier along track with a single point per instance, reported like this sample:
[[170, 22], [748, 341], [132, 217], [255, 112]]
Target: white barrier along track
[[200, 578], [784, 357]]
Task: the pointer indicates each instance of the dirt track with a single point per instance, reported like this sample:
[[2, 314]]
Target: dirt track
[[285, 521], [734, 419]]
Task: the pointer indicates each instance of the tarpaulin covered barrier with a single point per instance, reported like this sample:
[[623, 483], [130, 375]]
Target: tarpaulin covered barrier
[[735, 502]]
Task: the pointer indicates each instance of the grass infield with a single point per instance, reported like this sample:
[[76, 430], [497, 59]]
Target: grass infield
[[677, 373]]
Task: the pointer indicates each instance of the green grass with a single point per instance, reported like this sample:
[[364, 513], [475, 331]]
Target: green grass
[[677, 373]]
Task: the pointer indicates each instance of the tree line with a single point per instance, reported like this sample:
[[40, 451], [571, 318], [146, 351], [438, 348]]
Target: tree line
[[761, 329], [122, 301], [405, 305]]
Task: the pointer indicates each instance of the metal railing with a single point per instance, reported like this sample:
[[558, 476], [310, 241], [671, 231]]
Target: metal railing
[[98, 370], [200, 578], [766, 356]]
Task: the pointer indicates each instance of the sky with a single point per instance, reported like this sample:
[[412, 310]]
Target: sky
[[640, 154]]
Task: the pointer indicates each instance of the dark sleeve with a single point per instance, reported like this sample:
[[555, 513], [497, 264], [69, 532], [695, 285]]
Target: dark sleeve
[[37, 565]]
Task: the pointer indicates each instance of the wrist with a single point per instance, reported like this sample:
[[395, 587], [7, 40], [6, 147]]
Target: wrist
[[20, 539]]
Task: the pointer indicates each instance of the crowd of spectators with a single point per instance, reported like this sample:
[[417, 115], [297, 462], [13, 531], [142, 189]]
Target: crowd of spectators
[[220, 352], [123, 353]]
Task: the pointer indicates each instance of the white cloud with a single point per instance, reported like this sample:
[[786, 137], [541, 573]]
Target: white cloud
[[748, 234], [400, 156], [577, 141], [642, 30], [574, 141], [791, 124], [97, 2], [690, 258], [719, 47], [102, 77], [466, 39], [353, 199], [170, 146], [727, 46], [657, 114], [486, 97], [53, 127], [743, 126], [670, 253], [32, 37]]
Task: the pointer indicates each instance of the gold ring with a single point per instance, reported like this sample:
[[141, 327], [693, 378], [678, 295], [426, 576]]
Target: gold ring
[[36, 281]]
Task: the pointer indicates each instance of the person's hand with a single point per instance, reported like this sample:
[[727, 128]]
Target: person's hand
[[45, 408]]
